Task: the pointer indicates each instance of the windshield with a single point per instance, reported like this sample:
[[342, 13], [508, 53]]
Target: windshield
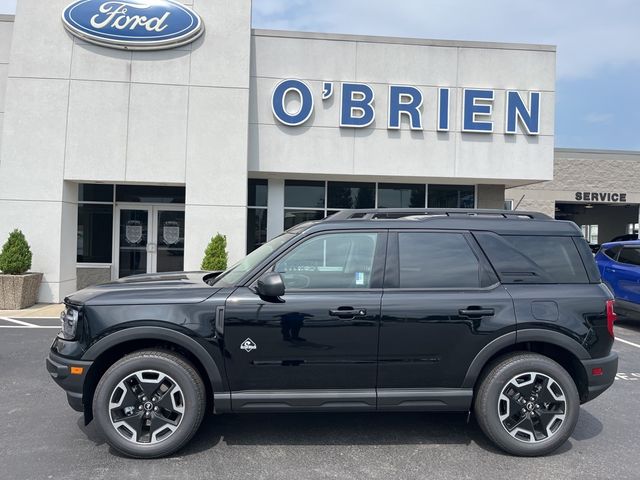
[[231, 276]]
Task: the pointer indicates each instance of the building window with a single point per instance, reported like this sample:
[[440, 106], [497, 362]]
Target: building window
[[150, 194], [508, 204], [590, 232], [451, 196], [257, 214], [632, 228], [346, 195], [401, 195], [95, 223], [303, 201]]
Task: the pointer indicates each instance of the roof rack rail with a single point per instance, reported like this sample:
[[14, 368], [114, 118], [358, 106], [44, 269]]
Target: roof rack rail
[[425, 213]]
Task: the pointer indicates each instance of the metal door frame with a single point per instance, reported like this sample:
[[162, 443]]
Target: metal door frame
[[152, 210]]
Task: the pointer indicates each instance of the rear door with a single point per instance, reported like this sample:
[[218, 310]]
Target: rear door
[[627, 274], [441, 305]]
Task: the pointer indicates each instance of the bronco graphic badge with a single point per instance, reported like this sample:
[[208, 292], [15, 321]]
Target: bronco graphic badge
[[133, 24], [248, 345]]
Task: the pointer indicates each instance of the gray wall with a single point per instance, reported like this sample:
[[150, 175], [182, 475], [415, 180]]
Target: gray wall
[[582, 171], [97, 114], [6, 31], [88, 276], [490, 196], [321, 147]]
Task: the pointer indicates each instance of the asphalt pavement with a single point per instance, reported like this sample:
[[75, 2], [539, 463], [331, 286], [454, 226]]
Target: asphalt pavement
[[42, 438]]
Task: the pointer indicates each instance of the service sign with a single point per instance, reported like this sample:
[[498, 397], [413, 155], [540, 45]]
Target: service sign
[[133, 24]]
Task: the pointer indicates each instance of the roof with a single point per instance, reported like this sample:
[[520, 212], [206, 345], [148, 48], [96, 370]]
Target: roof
[[402, 41], [500, 221], [634, 243]]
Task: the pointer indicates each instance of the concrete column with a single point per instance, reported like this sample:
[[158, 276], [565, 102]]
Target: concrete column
[[33, 194], [275, 208], [217, 131]]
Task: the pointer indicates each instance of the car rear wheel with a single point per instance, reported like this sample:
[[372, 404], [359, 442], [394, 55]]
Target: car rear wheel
[[149, 403], [527, 404]]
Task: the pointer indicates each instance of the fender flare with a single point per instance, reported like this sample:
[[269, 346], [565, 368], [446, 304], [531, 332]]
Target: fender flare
[[527, 335], [163, 334]]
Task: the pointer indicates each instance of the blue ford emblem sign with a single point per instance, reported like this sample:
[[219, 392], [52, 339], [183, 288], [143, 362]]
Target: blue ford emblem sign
[[133, 24]]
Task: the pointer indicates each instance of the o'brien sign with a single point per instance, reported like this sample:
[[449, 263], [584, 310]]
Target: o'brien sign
[[357, 107], [133, 24]]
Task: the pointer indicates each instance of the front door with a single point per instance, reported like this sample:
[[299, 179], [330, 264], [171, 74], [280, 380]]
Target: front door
[[317, 345], [149, 239]]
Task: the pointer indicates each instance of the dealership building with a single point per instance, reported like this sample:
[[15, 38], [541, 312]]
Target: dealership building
[[117, 161]]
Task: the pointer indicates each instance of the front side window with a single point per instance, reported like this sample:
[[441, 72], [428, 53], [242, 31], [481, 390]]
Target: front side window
[[336, 260], [612, 252], [630, 256], [437, 260]]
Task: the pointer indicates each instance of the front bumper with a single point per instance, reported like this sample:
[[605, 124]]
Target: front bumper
[[72, 383], [599, 383]]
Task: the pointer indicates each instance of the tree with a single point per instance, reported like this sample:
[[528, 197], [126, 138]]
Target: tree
[[215, 255], [15, 258]]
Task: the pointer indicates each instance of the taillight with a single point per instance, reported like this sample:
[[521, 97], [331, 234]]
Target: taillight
[[611, 316]]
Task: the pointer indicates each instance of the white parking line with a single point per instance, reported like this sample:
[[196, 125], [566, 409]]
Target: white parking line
[[628, 342], [21, 324]]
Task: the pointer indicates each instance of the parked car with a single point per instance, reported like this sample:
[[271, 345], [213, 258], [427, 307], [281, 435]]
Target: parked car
[[619, 265], [499, 313], [625, 238]]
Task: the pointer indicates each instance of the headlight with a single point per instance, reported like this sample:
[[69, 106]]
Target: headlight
[[69, 319]]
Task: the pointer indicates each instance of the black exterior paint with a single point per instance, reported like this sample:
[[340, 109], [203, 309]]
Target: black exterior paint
[[412, 349]]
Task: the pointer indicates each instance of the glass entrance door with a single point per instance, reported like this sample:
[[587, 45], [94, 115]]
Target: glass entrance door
[[150, 239]]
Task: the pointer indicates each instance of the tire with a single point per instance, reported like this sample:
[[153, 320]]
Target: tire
[[149, 403], [510, 418]]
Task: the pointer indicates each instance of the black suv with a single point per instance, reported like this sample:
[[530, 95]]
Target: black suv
[[502, 313]]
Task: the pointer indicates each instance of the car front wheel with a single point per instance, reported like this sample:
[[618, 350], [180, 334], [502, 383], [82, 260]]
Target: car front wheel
[[149, 403], [527, 404]]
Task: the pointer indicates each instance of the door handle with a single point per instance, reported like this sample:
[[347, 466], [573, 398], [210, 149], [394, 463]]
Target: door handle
[[476, 312], [609, 269], [348, 312]]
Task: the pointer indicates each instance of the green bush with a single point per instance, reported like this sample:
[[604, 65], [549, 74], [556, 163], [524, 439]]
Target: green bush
[[15, 258], [215, 255]]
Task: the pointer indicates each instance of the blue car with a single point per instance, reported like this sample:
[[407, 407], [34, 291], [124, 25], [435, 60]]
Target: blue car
[[619, 265]]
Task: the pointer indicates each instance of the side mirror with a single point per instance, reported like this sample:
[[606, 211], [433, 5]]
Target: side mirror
[[271, 285]]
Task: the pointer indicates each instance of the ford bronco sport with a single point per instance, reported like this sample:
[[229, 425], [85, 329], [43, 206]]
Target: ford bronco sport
[[498, 313]]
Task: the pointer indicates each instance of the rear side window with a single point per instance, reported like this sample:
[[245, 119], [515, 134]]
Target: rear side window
[[534, 258], [630, 255], [558, 257], [437, 260], [612, 252]]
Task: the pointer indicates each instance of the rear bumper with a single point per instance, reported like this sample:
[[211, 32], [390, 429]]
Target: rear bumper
[[60, 370], [599, 383]]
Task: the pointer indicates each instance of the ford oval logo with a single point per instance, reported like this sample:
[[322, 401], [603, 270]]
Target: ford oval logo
[[133, 24]]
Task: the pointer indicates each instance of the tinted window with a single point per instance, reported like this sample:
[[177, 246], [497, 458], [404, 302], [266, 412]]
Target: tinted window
[[612, 252], [437, 260], [295, 217], [399, 195], [257, 193], [337, 260], [630, 255], [451, 196], [89, 192], [351, 195], [94, 233], [299, 193], [256, 228], [557, 256], [150, 194]]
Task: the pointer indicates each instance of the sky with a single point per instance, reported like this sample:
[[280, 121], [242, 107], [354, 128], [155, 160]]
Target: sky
[[598, 42]]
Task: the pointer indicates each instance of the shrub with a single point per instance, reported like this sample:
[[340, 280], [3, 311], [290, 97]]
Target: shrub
[[15, 258], [215, 255]]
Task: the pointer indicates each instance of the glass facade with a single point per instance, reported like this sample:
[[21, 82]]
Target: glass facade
[[95, 227], [257, 213], [401, 195], [451, 196], [351, 195]]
